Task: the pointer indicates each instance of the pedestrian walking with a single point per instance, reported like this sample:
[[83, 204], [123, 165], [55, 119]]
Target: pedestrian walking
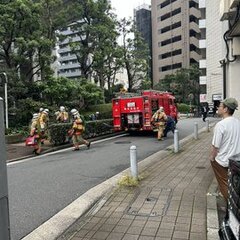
[[225, 143], [77, 131], [204, 112], [159, 119]]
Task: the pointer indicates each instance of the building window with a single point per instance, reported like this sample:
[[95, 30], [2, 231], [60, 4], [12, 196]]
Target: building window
[[171, 27], [165, 16], [177, 38], [193, 19], [166, 68], [176, 25], [166, 3], [193, 4], [170, 54], [166, 29], [176, 11], [176, 65]]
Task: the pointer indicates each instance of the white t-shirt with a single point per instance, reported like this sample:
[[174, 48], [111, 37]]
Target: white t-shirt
[[227, 139]]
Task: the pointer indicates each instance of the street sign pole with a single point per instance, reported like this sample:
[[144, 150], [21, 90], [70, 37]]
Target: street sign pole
[[4, 208]]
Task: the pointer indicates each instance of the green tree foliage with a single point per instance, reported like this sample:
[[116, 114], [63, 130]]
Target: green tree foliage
[[135, 54], [184, 83], [95, 28], [27, 37]]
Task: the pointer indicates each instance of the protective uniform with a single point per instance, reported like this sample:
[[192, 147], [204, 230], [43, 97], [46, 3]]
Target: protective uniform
[[35, 131], [43, 119], [159, 119], [77, 130], [62, 115]]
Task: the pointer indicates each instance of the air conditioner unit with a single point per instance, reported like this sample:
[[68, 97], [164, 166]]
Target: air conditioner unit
[[233, 3]]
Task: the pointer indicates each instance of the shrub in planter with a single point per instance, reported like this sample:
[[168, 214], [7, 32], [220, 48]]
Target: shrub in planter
[[58, 132], [183, 108]]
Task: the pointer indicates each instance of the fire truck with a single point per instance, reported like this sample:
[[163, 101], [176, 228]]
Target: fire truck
[[133, 112]]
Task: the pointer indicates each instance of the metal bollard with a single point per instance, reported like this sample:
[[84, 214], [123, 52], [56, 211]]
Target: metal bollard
[[195, 130], [4, 209], [133, 161], [176, 141], [207, 125]]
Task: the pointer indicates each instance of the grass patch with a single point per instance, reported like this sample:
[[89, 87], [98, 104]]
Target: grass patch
[[129, 181]]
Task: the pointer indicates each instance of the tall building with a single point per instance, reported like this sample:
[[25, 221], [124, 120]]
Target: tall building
[[143, 21], [212, 49], [175, 36], [68, 64]]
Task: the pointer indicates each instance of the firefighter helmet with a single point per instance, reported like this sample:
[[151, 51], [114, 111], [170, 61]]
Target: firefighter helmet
[[62, 109], [74, 112]]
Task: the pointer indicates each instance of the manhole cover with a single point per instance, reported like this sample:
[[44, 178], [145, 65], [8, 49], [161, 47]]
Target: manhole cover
[[150, 206], [123, 142], [200, 167]]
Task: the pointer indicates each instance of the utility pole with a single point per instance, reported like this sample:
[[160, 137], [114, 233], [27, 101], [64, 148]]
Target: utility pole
[[6, 98], [4, 207]]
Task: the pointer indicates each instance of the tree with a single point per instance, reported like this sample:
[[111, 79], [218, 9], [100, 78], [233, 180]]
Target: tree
[[94, 27], [135, 53], [27, 37], [184, 83]]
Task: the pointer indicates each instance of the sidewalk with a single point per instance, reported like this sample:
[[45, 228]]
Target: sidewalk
[[169, 203]]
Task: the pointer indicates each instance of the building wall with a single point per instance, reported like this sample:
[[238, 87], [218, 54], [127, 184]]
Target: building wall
[[215, 50], [171, 42]]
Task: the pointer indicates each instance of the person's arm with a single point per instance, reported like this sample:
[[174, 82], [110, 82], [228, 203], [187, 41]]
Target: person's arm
[[213, 153]]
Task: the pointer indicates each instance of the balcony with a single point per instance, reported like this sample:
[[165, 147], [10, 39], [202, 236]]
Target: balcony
[[202, 63], [202, 44], [202, 23], [203, 80]]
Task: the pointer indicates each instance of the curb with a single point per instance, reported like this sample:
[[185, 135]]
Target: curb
[[212, 214], [62, 221]]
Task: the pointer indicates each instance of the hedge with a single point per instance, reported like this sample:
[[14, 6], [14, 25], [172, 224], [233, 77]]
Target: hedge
[[57, 133]]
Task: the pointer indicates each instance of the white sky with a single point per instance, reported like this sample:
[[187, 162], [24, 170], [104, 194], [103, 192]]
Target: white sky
[[124, 8]]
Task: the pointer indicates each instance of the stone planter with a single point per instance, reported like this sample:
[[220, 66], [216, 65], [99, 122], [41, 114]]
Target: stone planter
[[15, 138]]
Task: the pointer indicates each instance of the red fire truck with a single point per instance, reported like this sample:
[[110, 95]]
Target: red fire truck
[[134, 112]]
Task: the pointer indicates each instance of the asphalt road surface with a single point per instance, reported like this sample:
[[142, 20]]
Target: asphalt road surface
[[42, 186]]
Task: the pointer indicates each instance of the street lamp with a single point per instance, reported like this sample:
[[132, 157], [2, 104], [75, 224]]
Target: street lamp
[[6, 98]]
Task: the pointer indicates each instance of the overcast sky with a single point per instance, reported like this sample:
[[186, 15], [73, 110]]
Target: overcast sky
[[124, 8]]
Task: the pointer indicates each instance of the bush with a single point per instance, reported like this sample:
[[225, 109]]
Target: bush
[[183, 108], [58, 132]]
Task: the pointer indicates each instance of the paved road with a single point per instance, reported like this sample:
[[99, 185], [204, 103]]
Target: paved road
[[42, 186]]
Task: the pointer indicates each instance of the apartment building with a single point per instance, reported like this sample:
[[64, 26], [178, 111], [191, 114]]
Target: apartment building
[[143, 21], [68, 65], [175, 36], [212, 50]]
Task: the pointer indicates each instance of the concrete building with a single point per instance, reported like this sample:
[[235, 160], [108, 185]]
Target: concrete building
[[230, 20], [212, 48], [68, 65], [175, 36], [143, 21]]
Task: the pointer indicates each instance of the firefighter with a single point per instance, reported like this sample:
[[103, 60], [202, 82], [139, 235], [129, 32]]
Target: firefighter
[[62, 115], [77, 131], [43, 121], [159, 119], [35, 132]]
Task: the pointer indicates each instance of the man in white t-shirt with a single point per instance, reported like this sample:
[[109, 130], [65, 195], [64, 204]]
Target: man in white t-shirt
[[225, 142]]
